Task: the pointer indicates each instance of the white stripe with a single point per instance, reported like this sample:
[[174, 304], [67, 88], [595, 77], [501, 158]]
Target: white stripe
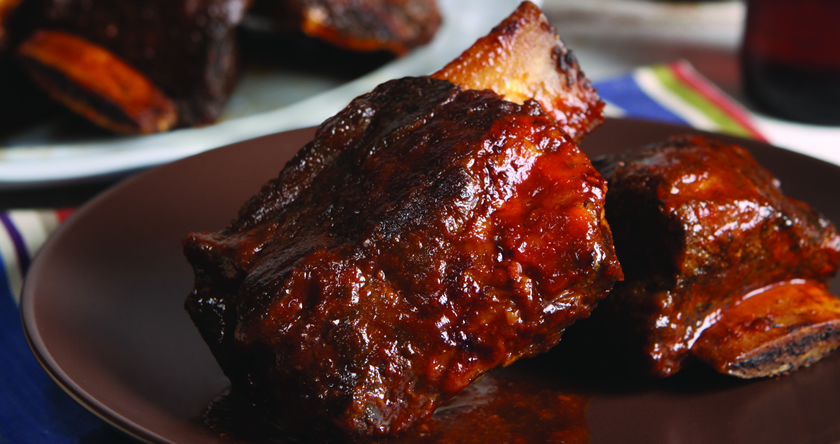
[[13, 273], [650, 84], [32, 229], [50, 220], [613, 110]]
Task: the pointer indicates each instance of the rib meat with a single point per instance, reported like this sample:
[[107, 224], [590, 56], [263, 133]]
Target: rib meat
[[426, 235], [772, 331], [718, 262], [183, 53], [397, 26]]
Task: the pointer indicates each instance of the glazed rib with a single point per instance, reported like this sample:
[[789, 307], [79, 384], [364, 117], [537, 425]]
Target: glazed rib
[[425, 236], [94, 83], [186, 50], [772, 331], [700, 228], [396, 26]]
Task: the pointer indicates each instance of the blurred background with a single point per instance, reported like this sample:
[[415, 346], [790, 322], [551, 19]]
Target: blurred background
[[611, 37]]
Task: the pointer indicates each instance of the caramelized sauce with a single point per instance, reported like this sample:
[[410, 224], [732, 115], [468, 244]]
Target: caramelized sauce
[[383, 271], [517, 404]]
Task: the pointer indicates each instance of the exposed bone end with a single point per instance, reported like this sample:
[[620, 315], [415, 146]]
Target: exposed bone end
[[523, 58], [97, 84], [773, 332]]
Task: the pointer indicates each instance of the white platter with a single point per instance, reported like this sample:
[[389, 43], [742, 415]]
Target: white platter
[[48, 155]]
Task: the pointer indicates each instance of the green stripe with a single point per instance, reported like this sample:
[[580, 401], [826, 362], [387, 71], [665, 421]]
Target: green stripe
[[702, 104]]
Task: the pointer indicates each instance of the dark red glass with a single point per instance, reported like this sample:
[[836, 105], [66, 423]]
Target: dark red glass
[[791, 59]]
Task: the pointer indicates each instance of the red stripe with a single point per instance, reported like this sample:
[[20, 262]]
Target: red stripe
[[686, 73], [63, 213]]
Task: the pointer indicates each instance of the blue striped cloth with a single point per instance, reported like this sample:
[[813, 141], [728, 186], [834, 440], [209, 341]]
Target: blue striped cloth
[[35, 410]]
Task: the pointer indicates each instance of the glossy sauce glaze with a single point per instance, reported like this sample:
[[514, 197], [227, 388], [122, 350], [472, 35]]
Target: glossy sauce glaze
[[427, 235], [772, 330], [359, 25], [697, 224], [520, 404]]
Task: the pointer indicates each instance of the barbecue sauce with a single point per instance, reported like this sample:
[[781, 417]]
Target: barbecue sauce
[[511, 405]]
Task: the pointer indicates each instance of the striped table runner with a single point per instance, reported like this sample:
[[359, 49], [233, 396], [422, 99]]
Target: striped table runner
[[22, 234], [676, 93], [34, 409]]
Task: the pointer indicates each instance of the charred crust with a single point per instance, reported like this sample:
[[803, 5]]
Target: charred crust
[[61, 88], [788, 357]]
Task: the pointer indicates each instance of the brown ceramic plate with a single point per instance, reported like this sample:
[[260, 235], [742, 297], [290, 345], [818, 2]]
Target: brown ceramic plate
[[102, 308]]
